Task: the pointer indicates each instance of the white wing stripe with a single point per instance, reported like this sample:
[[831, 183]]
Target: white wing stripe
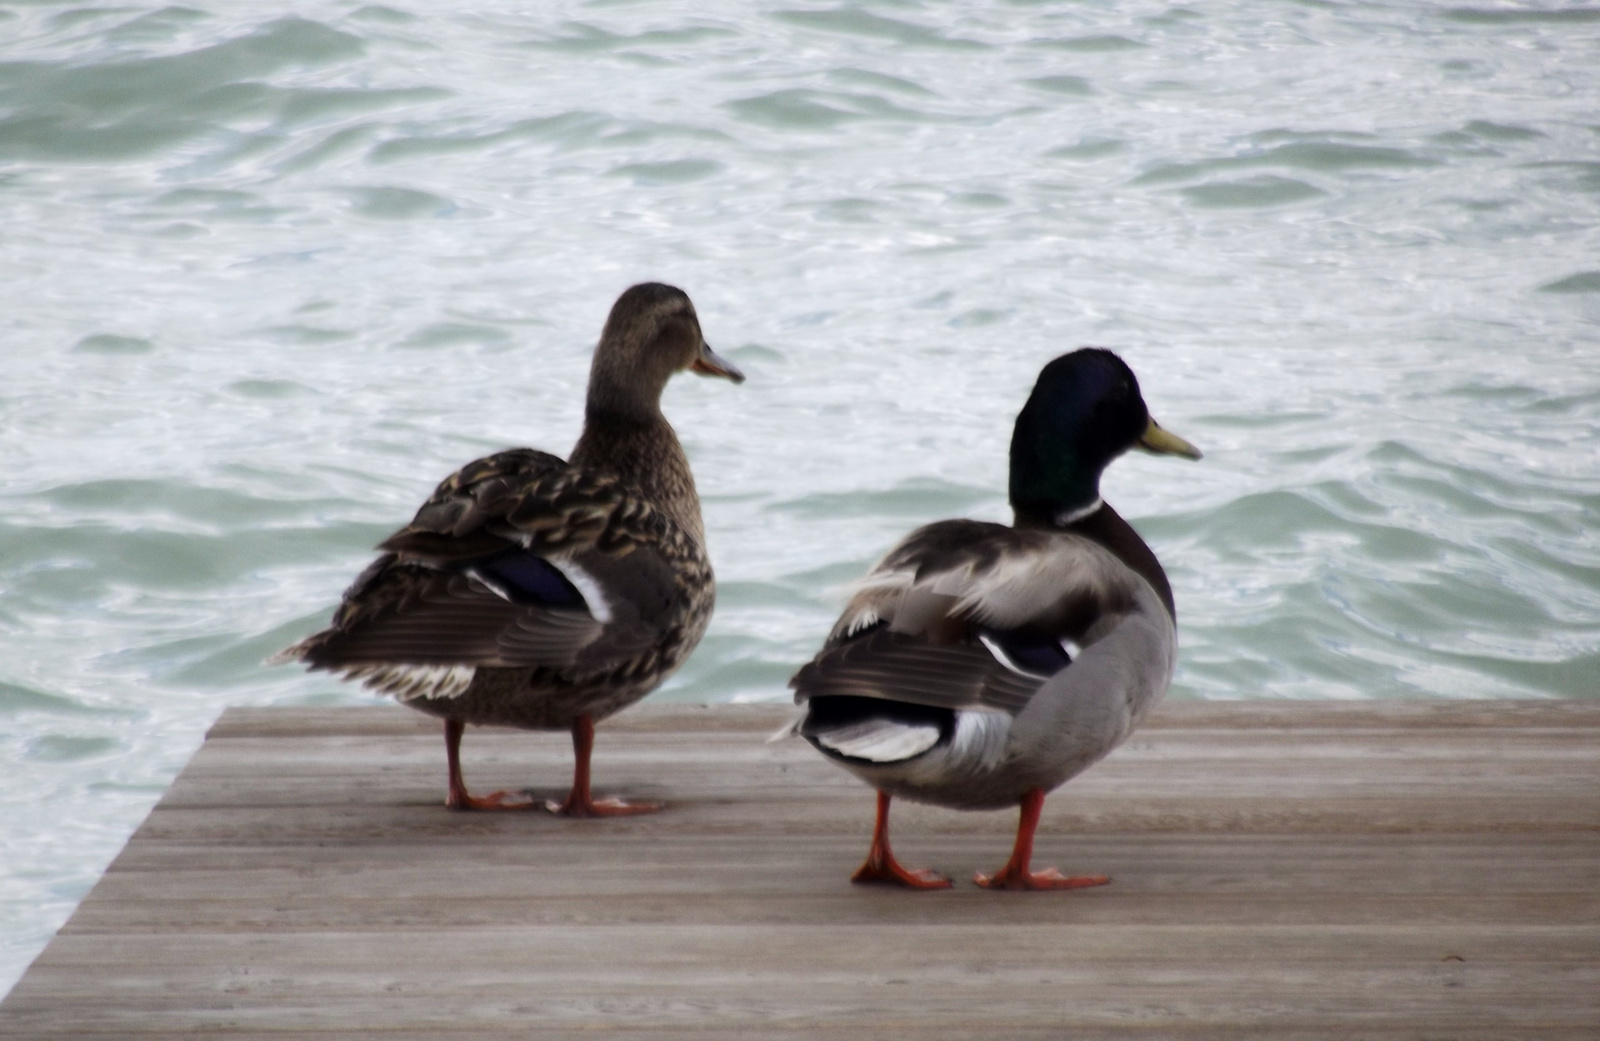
[[587, 586]]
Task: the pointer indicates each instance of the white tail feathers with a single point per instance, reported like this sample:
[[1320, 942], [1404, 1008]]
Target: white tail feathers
[[880, 740], [408, 682]]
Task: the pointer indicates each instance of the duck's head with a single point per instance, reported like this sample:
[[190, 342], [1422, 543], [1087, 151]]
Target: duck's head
[[651, 334], [1084, 411]]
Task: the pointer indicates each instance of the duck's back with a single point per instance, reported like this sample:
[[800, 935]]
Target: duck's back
[[525, 590], [979, 660]]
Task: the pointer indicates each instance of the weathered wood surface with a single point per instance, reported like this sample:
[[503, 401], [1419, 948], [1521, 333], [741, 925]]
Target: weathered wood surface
[[1287, 871]]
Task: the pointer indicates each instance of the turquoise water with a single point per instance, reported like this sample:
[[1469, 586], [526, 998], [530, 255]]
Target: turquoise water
[[271, 270]]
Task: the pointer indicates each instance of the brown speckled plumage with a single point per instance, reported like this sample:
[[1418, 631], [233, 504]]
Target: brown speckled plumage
[[533, 592]]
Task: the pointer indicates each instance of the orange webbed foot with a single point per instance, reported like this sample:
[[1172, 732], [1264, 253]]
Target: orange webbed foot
[[881, 868], [578, 802], [1015, 875], [461, 800], [892, 873], [1049, 878], [611, 807]]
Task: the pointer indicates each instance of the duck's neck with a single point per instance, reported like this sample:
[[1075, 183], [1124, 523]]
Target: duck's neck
[[1105, 526], [643, 450]]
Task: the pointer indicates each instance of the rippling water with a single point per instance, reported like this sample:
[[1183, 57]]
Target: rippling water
[[271, 270]]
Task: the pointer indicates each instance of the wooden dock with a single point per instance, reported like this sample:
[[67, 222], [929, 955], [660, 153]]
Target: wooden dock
[[1280, 870]]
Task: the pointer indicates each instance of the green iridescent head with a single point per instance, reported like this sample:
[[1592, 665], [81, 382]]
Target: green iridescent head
[[1085, 410]]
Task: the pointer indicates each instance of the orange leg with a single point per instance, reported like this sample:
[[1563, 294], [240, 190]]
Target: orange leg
[[459, 798], [1015, 875], [579, 803], [880, 865]]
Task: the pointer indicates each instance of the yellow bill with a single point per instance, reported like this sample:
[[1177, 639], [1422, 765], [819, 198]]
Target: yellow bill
[[1159, 441]]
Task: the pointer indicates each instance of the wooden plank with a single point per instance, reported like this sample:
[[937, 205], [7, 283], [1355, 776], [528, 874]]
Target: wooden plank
[[1284, 870], [1426, 714]]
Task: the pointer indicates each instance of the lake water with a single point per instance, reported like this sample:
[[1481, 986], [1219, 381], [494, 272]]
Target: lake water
[[270, 270]]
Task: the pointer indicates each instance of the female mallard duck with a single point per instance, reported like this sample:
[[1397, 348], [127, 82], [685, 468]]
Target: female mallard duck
[[981, 666], [536, 593]]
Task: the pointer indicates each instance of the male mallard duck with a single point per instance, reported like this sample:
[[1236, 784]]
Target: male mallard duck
[[536, 593], [980, 666]]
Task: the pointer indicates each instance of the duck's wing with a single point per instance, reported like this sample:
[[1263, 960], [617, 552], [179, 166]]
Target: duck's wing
[[516, 560], [970, 615], [901, 667]]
